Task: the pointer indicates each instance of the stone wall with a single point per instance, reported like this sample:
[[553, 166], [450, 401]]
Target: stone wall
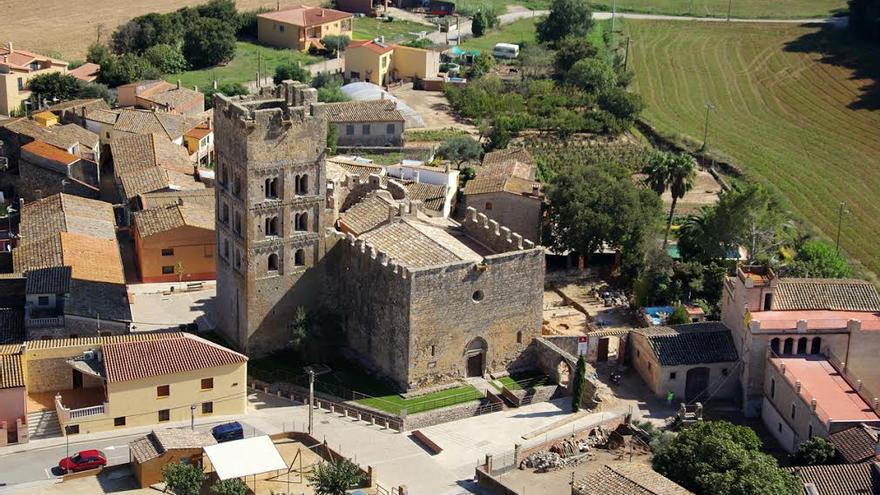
[[489, 232], [37, 182], [499, 301], [521, 213], [548, 357], [442, 415]]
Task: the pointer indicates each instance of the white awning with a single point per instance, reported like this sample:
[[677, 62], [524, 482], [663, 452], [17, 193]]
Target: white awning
[[245, 457]]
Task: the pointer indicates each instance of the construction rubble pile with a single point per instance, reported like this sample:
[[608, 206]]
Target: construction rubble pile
[[568, 452]]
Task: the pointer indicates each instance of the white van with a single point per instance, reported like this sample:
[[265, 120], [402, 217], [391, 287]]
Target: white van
[[505, 50]]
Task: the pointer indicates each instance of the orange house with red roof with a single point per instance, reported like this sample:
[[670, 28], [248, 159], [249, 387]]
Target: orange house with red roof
[[17, 67], [302, 27], [378, 62]]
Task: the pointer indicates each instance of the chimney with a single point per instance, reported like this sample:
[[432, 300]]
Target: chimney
[[797, 385], [813, 404]]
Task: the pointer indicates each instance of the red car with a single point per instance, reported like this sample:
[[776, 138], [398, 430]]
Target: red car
[[86, 459]]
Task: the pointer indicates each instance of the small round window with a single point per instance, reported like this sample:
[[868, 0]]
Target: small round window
[[478, 296]]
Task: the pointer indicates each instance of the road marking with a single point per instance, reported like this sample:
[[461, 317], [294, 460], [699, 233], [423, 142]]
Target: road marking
[[49, 474]]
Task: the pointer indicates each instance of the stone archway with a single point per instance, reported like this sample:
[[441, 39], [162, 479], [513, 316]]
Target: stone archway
[[475, 357], [564, 372]]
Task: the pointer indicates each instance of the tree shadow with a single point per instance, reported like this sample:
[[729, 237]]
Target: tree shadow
[[839, 47]]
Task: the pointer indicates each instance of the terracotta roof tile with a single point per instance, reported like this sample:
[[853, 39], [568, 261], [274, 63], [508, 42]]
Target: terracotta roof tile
[[856, 443], [627, 479], [695, 343], [361, 111], [372, 45], [415, 244], [433, 197], [54, 280], [136, 360], [92, 259], [830, 294], [11, 375], [840, 479], [109, 339], [492, 184], [86, 72], [12, 329], [367, 214], [162, 219], [306, 16], [510, 162], [49, 152]]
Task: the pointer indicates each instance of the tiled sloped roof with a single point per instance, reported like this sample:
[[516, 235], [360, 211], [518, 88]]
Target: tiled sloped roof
[[155, 179], [80, 134], [87, 103], [61, 136], [418, 246], [362, 111], [510, 162], [92, 259], [856, 443], [492, 184], [202, 197], [627, 479], [11, 326], [54, 280], [142, 359], [694, 343], [825, 294], [41, 253], [162, 219], [137, 152], [49, 152], [103, 340], [432, 196], [169, 125], [363, 171], [840, 479], [11, 375], [158, 442], [173, 98], [367, 214], [372, 45], [306, 16], [103, 116], [87, 72], [67, 213]]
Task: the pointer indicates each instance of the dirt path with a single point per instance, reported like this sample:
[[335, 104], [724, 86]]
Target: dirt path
[[67, 27]]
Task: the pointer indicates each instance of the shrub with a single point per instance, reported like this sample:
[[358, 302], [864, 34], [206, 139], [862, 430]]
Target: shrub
[[208, 42], [168, 59], [228, 89], [128, 68], [292, 71]]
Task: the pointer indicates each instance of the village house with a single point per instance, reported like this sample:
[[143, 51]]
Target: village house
[[365, 124], [94, 384], [505, 190], [157, 449], [161, 96], [199, 142], [301, 28], [435, 187], [381, 63], [74, 111], [839, 479], [783, 317], [87, 72], [13, 398], [17, 67], [693, 362], [70, 257], [70, 138], [425, 301], [174, 236], [46, 170], [856, 444], [805, 396]]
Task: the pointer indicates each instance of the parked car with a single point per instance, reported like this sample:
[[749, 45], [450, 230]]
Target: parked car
[[227, 432], [83, 460]]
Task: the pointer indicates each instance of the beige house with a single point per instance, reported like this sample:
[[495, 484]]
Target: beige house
[[371, 123], [103, 383], [302, 27], [17, 67], [381, 63], [694, 361], [162, 96]]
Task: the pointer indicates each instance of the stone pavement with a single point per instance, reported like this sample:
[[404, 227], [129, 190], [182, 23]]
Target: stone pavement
[[151, 309]]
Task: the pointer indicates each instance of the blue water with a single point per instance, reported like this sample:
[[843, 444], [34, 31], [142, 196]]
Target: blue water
[[654, 313]]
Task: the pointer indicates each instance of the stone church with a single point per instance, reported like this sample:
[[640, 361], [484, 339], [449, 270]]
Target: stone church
[[421, 299]]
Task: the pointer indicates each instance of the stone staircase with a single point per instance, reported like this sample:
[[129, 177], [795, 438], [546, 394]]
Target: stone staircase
[[43, 424]]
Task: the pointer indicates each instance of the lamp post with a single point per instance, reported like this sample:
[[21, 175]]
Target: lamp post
[[192, 417], [311, 400]]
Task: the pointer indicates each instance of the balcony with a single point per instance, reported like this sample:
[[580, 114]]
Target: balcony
[[57, 321]]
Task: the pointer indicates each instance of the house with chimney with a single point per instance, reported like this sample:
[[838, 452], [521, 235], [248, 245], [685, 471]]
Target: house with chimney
[[379, 62], [301, 27], [17, 67]]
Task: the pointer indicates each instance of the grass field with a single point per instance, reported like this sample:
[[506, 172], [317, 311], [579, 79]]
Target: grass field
[[793, 106], [467, 7], [516, 32], [243, 67], [395, 403], [367, 28], [524, 381], [748, 9]]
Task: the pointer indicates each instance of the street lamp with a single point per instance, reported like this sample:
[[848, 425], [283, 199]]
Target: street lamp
[[709, 107], [192, 417]]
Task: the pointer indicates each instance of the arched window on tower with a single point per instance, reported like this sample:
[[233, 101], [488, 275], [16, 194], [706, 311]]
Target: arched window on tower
[[301, 222], [271, 226], [272, 263], [299, 257]]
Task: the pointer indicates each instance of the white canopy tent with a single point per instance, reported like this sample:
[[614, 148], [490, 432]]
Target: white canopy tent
[[246, 457], [364, 91]]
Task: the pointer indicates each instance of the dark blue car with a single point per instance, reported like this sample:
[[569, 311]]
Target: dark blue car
[[227, 432]]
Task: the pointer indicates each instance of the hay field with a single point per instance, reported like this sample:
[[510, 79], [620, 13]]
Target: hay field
[[794, 106], [67, 27], [745, 9]]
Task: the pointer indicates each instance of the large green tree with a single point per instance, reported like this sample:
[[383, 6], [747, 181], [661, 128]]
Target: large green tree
[[335, 477], [566, 18], [569, 51], [55, 85], [592, 75], [578, 383], [818, 259], [167, 58], [597, 206], [127, 68], [208, 41], [460, 149], [720, 458]]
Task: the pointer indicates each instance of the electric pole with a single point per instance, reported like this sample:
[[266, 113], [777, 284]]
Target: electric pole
[[311, 400], [841, 210], [729, 4], [613, 14], [709, 108], [626, 55]]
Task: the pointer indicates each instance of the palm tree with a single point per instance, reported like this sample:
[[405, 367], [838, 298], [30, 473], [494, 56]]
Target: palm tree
[[681, 169], [657, 171]]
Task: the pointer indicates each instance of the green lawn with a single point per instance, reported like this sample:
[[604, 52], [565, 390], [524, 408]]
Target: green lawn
[[367, 28], [524, 381], [750, 9], [467, 7], [394, 403], [242, 68], [792, 105], [415, 135], [521, 31]]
